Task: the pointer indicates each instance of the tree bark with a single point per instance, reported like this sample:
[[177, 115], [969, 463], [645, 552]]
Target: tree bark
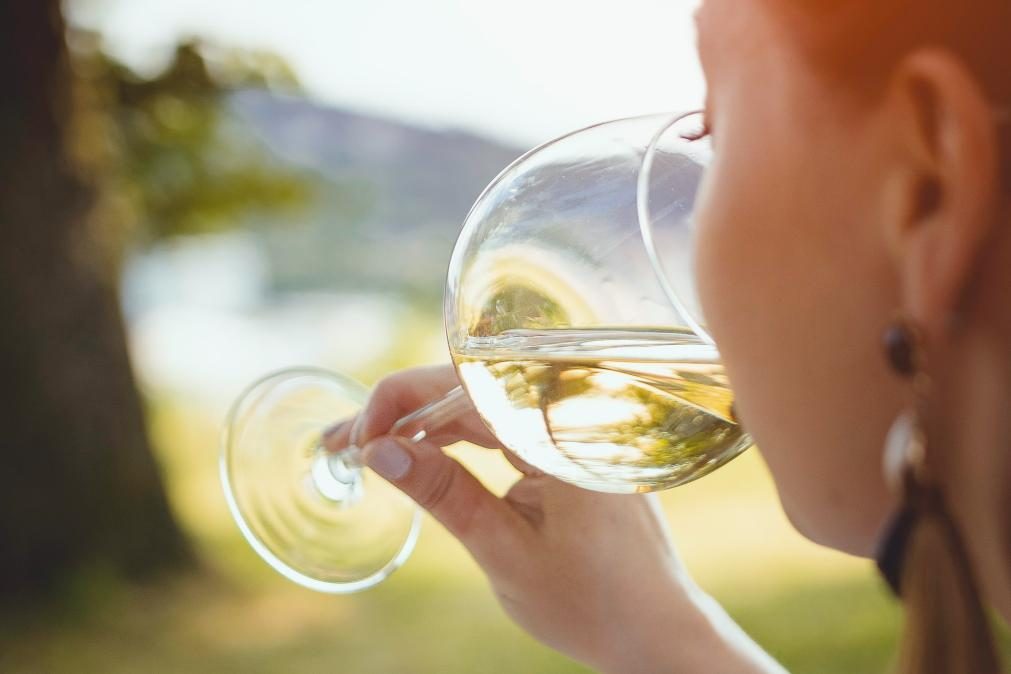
[[79, 487]]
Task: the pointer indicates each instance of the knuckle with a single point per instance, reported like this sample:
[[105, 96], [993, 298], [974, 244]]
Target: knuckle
[[395, 390], [437, 493], [386, 389]]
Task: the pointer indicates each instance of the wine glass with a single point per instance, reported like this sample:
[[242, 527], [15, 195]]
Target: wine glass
[[667, 188], [568, 338]]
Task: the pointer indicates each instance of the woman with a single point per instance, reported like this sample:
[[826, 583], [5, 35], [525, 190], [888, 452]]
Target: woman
[[854, 265]]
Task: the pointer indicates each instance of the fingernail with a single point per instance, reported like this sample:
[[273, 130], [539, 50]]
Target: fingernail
[[388, 458], [356, 429], [331, 430]]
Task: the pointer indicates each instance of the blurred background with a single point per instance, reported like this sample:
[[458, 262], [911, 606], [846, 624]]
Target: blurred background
[[196, 192]]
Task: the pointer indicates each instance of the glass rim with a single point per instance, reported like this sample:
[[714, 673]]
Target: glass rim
[[646, 227], [665, 121]]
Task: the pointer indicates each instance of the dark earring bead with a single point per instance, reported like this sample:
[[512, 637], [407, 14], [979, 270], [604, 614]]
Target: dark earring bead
[[900, 349]]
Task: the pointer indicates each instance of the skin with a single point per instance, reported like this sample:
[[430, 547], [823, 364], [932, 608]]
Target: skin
[[804, 356], [825, 214], [895, 210]]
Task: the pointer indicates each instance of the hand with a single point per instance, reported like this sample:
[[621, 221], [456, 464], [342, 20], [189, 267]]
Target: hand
[[592, 575]]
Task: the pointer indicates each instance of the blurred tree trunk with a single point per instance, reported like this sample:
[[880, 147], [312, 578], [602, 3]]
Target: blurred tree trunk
[[79, 488]]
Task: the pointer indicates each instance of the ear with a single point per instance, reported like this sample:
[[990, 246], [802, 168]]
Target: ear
[[943, 185]]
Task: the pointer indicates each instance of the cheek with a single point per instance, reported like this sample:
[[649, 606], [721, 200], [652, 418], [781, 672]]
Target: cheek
[[788, 288]]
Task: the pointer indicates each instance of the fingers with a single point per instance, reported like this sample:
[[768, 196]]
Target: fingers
[[338, 436], [440, 485], [521, 465], [400, 394]]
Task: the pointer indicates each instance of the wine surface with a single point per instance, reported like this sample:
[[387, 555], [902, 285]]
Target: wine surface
[[611, 410]]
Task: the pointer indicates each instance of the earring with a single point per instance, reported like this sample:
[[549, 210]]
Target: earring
[[922, 556]]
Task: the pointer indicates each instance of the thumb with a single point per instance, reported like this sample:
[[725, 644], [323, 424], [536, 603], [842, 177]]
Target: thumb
[[438, 483]]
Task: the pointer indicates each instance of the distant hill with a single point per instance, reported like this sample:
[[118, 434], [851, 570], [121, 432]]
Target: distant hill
[[392, 196]]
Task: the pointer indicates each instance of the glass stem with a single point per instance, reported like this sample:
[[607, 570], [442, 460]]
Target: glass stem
[[417, 425]]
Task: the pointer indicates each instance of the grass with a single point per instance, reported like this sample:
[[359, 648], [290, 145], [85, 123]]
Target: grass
[[415, 624]]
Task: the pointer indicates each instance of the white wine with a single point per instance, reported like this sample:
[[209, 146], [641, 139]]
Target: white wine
[[612, 410]]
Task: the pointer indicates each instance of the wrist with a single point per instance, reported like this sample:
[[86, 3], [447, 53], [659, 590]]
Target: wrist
[[684, 631], [662, 632]]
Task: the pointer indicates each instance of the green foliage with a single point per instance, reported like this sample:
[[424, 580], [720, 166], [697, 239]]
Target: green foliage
[[518, 306], [168, 158]]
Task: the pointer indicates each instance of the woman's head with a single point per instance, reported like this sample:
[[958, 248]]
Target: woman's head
[[856, 177]]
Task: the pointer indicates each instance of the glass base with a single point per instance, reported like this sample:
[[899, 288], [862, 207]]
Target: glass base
[[314, 516]]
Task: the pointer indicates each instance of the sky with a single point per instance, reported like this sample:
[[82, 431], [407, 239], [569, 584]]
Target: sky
[[523, 71]]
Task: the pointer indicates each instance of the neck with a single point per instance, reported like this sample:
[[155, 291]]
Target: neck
[[971, 403]]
